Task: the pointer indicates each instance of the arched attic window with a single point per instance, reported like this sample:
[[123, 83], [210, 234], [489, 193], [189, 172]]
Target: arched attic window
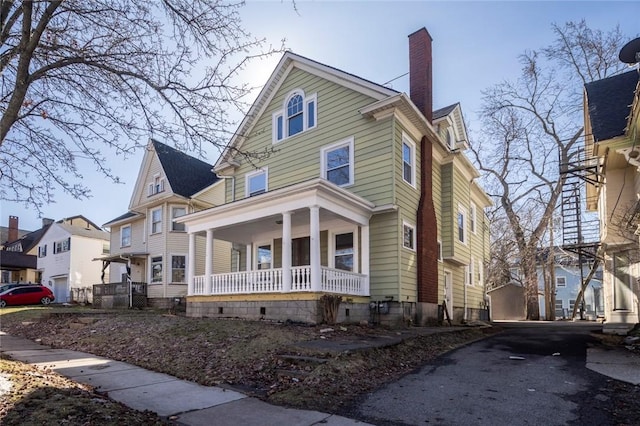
[[299, 114]]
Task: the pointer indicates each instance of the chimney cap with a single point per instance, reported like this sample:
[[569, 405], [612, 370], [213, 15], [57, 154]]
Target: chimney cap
[[420, 30]]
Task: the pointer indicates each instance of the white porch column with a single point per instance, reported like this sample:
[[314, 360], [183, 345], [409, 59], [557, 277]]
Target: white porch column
[[208, 261], [314, 233], [249, 265], [286, 252], [191, 268], [364, 258]]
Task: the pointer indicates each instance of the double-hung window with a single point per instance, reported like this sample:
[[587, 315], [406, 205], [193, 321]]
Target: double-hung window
[[472, 217], [408, 236], [62, 246], [462, 225], [561, 281], [408, 160], [175, 213], [256, 182], [264, 258], [156, 269], [343, 253], [178, 268], [156, 221], [337, 163], [125, 236], [42, 251], [299, 114], [157, 186]]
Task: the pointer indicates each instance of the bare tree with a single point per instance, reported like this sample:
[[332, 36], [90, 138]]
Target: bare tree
[[532, 125], [82, 78]]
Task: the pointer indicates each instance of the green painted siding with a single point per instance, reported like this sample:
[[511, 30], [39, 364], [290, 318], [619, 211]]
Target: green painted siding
[[338, 119], [384, 240], [448, 211]]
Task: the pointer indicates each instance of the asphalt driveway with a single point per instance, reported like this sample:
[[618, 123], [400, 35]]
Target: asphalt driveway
[[532, 374]]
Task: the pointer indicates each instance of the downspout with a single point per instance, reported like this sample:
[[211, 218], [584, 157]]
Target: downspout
[[470, 268]]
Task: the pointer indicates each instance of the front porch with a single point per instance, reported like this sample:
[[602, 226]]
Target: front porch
[[295, 243]]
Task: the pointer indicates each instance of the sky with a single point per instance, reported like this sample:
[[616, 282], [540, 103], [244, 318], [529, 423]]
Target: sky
[[475, 45]]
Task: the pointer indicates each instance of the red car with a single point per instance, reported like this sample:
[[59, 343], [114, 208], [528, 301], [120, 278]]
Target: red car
[[26, 295]]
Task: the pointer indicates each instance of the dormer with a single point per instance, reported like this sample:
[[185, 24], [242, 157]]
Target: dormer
[[450, 126]]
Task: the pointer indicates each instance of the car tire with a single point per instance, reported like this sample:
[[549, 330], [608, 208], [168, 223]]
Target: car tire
[[3, 303], [45, 300]]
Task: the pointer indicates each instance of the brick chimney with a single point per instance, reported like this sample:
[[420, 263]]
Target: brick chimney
[[420, 85], [13, 228], [421, 94]]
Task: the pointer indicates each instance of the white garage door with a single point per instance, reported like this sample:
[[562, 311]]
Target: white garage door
[[61, 290]]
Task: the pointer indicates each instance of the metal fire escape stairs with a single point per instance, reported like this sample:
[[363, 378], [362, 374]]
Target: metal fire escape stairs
[[580, 235]]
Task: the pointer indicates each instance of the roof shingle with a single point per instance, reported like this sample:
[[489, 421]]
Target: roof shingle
[[186, 175], [609, 102]]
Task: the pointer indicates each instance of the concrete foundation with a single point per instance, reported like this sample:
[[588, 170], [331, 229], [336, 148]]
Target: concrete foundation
[[306, 311]]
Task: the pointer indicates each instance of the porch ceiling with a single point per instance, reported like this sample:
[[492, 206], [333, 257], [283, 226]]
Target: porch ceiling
[[248, 232], [240, 220]]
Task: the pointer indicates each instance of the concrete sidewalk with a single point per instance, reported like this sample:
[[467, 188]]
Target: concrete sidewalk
[[141, 389]]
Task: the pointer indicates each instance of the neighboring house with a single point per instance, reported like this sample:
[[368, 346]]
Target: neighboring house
[[366, 194], [612, 128], [145, 241], [568, 281], [18, 258], [507, 298], [65, 258]]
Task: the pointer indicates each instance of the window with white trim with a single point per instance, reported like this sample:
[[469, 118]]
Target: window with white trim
[[337, 163], [451, 140], [408, 160], [299, 114], [156, 221], [175, 213], [561, 281], [42, 251], [157, 186], [156, 269], [62, 246], [470, 270], [343, 254], [125, 236], [408, 236], [472, 217], [480, 273], [264, 259], [439, 251], [256, 182], [178, 269], [462, 224]]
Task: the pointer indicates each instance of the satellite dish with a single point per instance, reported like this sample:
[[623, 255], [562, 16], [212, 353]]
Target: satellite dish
[[630, 52]]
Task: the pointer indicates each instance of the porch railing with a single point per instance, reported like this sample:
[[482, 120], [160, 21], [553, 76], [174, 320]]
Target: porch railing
[[270, 281]]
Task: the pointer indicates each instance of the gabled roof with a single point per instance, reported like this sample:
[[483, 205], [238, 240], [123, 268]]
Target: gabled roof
[[186, 175], [30, 240], [289, 61], [84, 232], [122, 217], [70, 220], [609, 102], [442, 112]]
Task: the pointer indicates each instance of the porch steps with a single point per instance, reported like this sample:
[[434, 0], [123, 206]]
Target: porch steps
[[298, 366]]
